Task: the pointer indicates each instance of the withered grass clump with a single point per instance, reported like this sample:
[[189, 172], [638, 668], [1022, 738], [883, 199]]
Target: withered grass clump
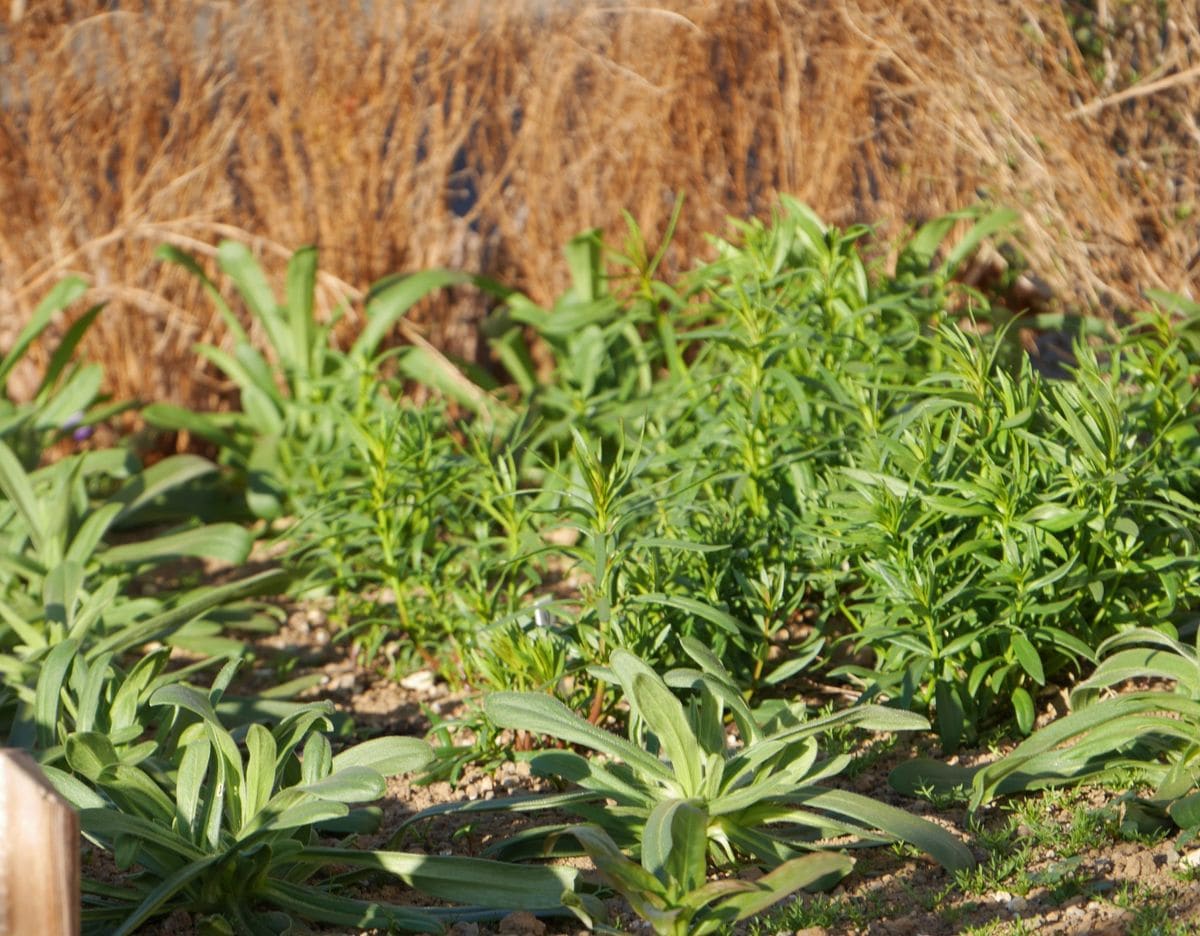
[[482, 135]]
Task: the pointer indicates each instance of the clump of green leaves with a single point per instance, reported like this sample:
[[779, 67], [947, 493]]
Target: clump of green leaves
[[294, 403], [1152, 736], [765, 800], [686, 795], [67, 398], [235, 827], [1001, 525]]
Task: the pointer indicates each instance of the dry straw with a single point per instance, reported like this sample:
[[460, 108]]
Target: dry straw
[[476, 134]]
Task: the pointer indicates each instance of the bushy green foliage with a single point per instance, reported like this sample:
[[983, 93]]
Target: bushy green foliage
[[784, 465], [68, 611], [1001, 525], [1151, 735], [783, 452]]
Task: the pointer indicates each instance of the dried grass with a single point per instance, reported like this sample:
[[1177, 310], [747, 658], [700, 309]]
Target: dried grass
[[483, 135]]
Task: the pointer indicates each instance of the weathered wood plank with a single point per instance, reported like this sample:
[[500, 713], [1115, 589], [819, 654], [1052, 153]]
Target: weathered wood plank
[[39, 853]]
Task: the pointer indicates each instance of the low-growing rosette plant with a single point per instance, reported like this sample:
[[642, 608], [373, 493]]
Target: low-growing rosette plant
[[238, 828], [682, 793]]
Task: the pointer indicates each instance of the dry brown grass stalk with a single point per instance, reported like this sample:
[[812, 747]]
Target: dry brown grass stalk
[[482, 135]]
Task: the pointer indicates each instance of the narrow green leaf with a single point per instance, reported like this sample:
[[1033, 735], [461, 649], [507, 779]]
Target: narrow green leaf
[[91, 532], [172, 472], [539, 713], [943, 847], [224, 542], [90, 753], [18, 489], [49, 690], [310, 903], [950, 717], [260, 771], [173, 418], [811, 872], [1028, 657], [349, 785], [675, 845], [391, 298], [61, 295], [162, 625], [238, 263], [664, 715], [301, 287], [189, 785], [485, 883], [1023, 709], [188, 262]]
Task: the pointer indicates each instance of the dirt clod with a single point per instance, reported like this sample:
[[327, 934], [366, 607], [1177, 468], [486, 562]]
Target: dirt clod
[[522, 923]]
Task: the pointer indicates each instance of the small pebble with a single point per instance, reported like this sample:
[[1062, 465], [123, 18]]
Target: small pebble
[[419, 681]]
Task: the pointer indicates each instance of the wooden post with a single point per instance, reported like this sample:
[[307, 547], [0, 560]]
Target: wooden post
[[39, 853]]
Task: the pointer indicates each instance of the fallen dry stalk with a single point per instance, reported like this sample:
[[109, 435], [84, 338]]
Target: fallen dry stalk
[[1139, 90]]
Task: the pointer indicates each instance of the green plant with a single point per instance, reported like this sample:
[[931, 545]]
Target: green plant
[[1153, 735], [819, 910], [684, 796], [390, 531], [670, 890], [608, 346], [35, 673], [292, 407], [764, 800], [56, 525], [224, 833], [66, 579], [64, 401], [1002, 525]]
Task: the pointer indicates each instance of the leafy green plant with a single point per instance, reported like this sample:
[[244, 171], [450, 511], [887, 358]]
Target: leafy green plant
[[57, 536], [607, 345], [293, 404], [390, 531], [669, 888], [1150, 735], [34, 676], [764, 801], [69, 564], [1001, 526], [225, 833], [65, 399]]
